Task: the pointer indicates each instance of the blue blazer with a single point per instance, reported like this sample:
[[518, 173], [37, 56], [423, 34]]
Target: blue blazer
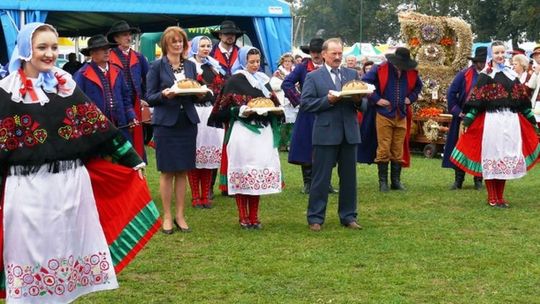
[[333, 123], [166, 111]]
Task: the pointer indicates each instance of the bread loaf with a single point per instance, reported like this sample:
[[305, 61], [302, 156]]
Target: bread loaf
[[260, 102], [188, 84], [354, 85]]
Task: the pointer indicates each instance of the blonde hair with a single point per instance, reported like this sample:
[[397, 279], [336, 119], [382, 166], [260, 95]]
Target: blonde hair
[[284, 56], [522, 60], [167, 37]]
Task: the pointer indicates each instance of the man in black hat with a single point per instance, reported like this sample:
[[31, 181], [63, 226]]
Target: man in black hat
[[226, 51], [104, 84], [397, 86], [135, 66], [457, 95], [300, 152]]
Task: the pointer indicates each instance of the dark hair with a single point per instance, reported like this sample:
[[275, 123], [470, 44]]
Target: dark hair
[[369, 62], [253, 51]]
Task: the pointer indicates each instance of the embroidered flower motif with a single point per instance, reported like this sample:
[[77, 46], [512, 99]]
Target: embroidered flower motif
[[82, 120], [510, 165], [57, 276], [519, 91], [20, 131], [255, 179], [209, 156], [490, 92]]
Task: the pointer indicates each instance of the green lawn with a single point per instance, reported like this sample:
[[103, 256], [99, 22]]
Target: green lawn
[[426, 245]]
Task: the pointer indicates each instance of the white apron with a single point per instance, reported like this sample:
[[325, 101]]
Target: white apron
[[54, 246], [209, 142], [502, 147], [254, 167]]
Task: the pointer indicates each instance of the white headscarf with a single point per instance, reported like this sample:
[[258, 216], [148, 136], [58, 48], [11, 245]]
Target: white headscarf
[[257, 79]]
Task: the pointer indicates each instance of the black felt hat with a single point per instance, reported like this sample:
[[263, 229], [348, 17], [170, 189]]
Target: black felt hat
[[97, 42], [402, 59], [227, 27], [121, 27], [480, 54], [315, 45]]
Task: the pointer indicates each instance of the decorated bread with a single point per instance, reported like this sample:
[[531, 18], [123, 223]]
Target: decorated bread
[[260, 102], [188, 84], [354, 85]]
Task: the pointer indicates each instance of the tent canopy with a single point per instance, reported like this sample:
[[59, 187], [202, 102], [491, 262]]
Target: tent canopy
[[269, 21]]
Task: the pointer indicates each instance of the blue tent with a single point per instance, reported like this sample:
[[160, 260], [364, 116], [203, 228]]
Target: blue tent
[[268, 20]]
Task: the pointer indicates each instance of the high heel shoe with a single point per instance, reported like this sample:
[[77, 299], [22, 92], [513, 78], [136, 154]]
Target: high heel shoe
[[187, 229]]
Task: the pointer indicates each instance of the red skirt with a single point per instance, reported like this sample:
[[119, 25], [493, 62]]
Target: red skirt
[[467, 154]]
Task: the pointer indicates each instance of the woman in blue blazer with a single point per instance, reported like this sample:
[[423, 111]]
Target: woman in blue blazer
[[175, 124]]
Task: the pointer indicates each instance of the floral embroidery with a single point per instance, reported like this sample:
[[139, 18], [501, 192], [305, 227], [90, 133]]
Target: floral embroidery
[[20, 131], [83, 119], [255, 179], [208, 155], [519, 92], [510, 165], [58, 276], [490, 92]]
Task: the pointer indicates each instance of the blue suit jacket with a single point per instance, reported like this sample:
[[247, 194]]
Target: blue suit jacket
[[166, 111], [333, 123]]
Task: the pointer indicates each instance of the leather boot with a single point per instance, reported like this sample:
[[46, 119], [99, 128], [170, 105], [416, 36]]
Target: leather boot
[[478, 183], [383, 176], [306, 177], [395, 176], [459, 177]]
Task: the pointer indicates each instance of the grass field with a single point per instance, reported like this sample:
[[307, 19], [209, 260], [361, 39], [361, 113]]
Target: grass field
[[426, 245]]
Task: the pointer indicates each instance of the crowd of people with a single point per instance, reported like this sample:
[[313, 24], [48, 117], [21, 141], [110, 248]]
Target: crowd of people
[[75, 144]]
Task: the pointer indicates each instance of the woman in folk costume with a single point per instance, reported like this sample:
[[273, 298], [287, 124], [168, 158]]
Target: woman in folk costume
[[253, 167], [209, 140], [499, 143], [70, 221], [285, 67]]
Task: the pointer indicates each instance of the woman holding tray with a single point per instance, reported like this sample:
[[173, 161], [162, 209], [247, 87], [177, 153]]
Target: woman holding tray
[[253, 167], [175, 124], [209, 140]]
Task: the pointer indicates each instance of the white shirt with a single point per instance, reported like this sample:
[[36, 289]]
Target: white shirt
[[225, 52]]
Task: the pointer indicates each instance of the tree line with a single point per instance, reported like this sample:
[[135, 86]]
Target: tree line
[[376, 20]]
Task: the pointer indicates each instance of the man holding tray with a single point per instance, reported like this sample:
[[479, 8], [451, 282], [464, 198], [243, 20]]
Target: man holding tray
[[335, 136]]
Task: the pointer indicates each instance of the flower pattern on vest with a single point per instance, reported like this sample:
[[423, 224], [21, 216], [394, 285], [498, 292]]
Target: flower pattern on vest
[[58, 276], [20, 131], [489, 92], [83, 119]]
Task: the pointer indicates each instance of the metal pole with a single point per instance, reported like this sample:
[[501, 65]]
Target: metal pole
[[361, 18]]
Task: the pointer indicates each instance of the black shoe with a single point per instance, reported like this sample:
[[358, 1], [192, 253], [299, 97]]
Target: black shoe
[[207, 206], [256, 226], [478, 184], [456, 186], [167, 231], [187, 229]]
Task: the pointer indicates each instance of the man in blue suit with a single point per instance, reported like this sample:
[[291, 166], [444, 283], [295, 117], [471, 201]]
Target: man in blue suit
[[335, 136]]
